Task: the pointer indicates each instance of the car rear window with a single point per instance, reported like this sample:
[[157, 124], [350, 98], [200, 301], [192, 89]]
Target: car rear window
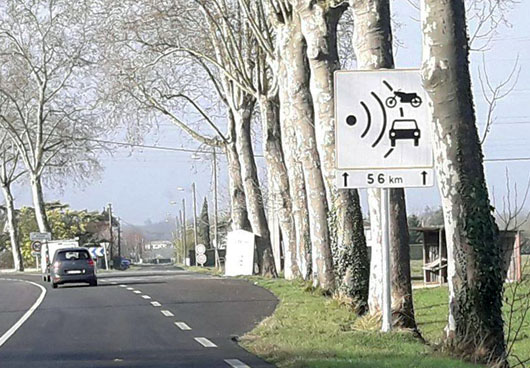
[[72, 255]]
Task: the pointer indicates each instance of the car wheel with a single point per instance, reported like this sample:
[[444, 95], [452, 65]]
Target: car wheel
[[43, 278], [54, 285], [48, 279], [94, 283]]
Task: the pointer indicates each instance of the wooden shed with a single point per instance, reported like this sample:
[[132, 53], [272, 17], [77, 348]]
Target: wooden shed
[[435, 254]]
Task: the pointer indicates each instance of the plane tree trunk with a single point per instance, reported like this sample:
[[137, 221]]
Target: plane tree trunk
[[474, 254], [298, 107], [279, 178], [238, 203], [319, 27], [253, 195], [12, 228], [39, 204], [373, 48]]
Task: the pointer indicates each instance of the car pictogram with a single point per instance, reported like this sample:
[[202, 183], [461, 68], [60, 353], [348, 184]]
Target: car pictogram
[[404, 129]]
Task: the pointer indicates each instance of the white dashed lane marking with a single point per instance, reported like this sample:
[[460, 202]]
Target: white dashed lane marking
[[205, 342], [167, 313], [183, 326], [130, 288], [123, 286], [146, 297], [156, 304], [137, 292], [236, 363]]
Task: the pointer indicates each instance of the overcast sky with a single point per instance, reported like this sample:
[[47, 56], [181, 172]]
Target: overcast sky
[[141, 184]]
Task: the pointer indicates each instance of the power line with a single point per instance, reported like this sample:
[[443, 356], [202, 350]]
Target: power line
[[189, 150]]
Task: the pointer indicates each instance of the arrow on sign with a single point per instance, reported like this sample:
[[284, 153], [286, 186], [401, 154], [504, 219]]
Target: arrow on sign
[[424, 175], [345, 176]]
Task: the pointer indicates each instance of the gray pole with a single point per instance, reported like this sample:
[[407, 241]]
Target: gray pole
[[111, 236], [216, 234], [385, 226], [181, 234], [194, 214], [184, 228]]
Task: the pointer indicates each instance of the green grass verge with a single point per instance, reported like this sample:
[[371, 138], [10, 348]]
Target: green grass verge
[[309, 330]]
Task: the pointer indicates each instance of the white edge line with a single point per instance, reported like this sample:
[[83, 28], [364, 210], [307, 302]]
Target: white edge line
[[183, 326], [26, 315], [205, 342], [236, 363]]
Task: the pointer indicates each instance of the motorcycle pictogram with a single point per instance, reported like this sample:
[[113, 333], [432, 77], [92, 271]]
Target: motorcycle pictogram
[[412, 98]]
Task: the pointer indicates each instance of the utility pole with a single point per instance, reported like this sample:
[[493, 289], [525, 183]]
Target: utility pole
[[119, 237], [194, 214], [181, 236], [111, 237], [184, 229], [215, 231]]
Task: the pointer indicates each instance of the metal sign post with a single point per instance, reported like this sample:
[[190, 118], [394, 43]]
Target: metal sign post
[[383, 141], [385, 225]]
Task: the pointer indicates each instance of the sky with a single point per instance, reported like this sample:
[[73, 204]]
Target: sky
[[142, 184]]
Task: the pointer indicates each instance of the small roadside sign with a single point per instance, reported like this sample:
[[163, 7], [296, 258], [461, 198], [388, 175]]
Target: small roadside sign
[[201, 259], [200, 249], [383, 137], [40, 236], [96, 251], [36, 246]]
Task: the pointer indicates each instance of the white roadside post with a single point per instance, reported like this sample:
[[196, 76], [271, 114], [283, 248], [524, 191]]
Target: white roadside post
[[383, 141]]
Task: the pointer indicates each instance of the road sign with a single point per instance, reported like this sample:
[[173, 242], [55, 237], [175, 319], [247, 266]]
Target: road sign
[[96, 251], [239, 259], [201, 259], [383, 137], [200, 249], [36, 246], [40, 236]]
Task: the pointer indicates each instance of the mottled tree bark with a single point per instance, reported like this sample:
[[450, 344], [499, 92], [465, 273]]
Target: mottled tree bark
[[297, 97], [238, 203], [373, 48], [279, 179], [319, 26], [38, 203], [253, 196], [402, 303], [474, 254], [12, 228]]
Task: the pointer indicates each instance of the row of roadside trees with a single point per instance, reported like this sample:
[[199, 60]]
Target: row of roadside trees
[[218, 68]]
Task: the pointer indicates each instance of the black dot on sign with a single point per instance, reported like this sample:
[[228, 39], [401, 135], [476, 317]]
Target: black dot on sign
[[351, 120]]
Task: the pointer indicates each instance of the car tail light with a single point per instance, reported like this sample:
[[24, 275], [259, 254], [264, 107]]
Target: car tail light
[[56, 264], [90, 262]]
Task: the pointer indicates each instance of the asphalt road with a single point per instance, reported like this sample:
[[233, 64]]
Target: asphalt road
[[156, 317]]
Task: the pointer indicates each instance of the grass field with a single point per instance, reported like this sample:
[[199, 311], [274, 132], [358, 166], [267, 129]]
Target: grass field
[[309, 330]]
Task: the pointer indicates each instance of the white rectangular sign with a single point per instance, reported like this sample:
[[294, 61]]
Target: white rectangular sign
[[385, 178], [382, 124], [239, 259], [40, 236]]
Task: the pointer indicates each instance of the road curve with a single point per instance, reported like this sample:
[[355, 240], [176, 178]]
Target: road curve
[[144, 319]]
